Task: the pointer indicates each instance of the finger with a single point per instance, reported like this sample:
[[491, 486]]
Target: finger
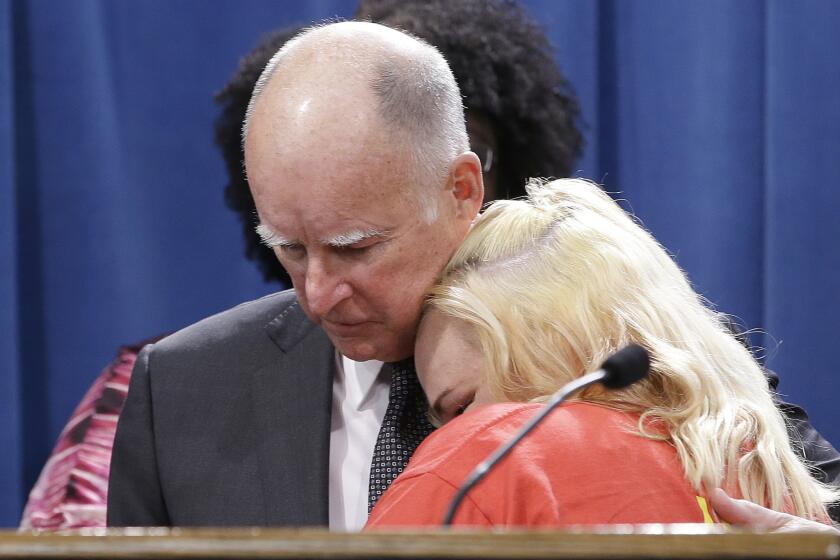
[[743, 512]]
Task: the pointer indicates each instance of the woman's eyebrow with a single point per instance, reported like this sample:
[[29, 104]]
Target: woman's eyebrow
[[435, 406]]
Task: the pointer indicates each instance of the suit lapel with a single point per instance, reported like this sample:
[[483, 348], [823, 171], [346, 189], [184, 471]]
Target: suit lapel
[[292, 398]]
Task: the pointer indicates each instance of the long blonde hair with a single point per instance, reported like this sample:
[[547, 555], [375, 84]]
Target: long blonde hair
[[556, 283]]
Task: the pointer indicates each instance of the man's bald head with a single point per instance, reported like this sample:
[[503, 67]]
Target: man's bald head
[[362, 77], [357, 157]]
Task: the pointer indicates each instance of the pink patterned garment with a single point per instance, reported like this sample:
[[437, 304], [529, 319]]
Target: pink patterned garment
[[72, 490]]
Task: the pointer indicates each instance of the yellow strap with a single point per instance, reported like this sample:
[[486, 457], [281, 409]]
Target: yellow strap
[[704, 507]]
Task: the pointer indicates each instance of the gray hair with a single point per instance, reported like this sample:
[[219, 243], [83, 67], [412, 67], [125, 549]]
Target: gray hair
[[420, 97], [417, 94]]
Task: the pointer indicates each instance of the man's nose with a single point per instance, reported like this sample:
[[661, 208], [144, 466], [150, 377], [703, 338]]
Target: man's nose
[[325, 287]]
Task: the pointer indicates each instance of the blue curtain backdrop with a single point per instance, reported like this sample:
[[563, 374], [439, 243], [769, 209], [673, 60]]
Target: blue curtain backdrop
[[719, 121]]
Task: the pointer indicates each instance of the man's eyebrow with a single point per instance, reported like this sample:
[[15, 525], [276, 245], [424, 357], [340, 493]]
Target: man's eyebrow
[[353, 237], [270, 238]]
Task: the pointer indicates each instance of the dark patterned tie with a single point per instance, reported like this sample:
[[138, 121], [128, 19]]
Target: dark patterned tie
[[405, 425]]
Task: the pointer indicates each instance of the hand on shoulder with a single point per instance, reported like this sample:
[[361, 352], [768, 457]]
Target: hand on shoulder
[[746, 513]]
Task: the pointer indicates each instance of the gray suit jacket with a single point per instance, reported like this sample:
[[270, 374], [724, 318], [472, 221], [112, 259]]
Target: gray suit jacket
[[227, 423]]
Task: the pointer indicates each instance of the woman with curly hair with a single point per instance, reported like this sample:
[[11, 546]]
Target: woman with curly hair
[[543, 291]]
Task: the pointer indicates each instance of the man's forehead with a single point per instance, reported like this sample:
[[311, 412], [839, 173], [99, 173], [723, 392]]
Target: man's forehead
[[318, 108], [316, 191], [313, 102], [334, 160]]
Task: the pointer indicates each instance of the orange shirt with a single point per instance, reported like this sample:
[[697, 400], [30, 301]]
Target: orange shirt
[[586, 464]]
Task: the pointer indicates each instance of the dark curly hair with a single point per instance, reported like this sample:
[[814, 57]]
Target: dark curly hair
[[503, 63]]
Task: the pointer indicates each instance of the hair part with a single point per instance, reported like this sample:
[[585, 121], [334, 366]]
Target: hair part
[[556, 283]]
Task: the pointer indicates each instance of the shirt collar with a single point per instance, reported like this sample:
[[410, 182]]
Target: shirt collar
[[366, 376]]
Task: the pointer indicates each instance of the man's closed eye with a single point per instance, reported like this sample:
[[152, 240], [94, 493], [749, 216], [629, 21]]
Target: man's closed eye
[[293, 250]]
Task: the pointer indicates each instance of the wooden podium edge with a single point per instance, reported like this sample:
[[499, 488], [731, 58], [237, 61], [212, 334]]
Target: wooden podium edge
[[647, 541]]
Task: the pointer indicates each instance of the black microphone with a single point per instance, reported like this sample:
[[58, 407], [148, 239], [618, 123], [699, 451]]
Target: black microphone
[[625, 367], [622, 369]]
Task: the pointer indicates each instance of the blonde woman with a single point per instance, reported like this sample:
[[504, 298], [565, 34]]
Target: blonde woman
[[542, 292]]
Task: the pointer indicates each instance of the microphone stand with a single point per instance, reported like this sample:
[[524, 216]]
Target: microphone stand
[[484, 467]]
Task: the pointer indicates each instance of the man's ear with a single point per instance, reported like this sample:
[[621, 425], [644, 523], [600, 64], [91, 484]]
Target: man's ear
[[467, 185]]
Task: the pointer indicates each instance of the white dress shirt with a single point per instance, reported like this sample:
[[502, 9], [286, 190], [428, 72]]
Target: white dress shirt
[[360, 398]]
